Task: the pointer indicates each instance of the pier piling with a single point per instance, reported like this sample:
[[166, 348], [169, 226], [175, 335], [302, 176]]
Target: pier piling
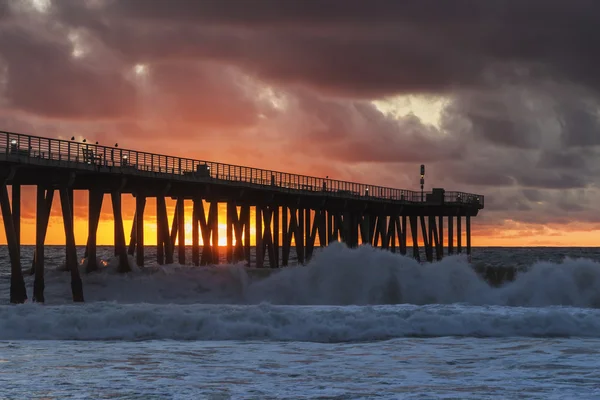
[[95, 198], [120, 244], [71, 253], [18, 292]]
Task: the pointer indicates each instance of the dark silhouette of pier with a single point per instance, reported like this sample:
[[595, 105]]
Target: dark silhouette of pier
[[290, 210]]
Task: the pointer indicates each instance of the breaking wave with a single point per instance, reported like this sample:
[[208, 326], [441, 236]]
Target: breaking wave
[[342, 295], [106, 321]]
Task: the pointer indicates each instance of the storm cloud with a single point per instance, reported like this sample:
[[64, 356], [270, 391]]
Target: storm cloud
[[258, 81]]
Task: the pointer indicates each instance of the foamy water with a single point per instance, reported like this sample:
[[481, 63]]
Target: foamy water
[[358, 323]]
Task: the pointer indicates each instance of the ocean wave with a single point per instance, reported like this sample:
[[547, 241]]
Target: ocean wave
[[336, 275], [326, 324]]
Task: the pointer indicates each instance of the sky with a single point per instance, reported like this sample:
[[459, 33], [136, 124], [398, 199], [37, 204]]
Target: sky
[[496, 97]]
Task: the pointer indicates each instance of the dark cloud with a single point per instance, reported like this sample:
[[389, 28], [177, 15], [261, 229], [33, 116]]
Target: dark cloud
[[580, 119], [497, 118], [541, 206], [481, 176], [551, 179], [359, 132], [368, 48], [4, 11], [570, 160], [44, 79], [533, 195], [521, 124]]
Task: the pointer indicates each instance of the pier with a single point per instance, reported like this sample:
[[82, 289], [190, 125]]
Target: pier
[[291, 212]]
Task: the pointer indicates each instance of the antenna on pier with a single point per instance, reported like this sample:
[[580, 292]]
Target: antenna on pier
[[422, 179]]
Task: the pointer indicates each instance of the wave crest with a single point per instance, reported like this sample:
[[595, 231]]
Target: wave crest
[[109, 321]]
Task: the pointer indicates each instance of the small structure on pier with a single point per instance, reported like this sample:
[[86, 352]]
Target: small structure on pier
[[290, 210]]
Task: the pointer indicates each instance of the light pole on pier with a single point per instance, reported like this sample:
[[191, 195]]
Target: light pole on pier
[[422, 179]]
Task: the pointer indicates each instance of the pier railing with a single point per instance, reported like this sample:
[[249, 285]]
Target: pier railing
[[28, 149]]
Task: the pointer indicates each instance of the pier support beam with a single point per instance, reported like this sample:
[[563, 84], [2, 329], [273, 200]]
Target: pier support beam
[[378, 231], [16, 213], [180, 215], [44, 227], [133, 235], [415, 237], [163, 235], [331, 232], [140, 205], [209, 228], [237, 224], [195, 234], [450, 234], [285, 237], [308, 239], [440, 253], [95, 207], [268, 246], [43, 206], [232, 217], [316, 229], [434, 239], [458, 234], [18, 292], [214, 221], [468, 218], [245, 219], [258, 221], [293, 229], [390, 235], [426, 240], [160, 241], [300, 236], [72, 266], [404, 229], [275, 262], [164, 250], [120, 245]]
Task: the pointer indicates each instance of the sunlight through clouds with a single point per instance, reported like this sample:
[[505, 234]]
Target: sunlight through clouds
[[79, 48], [428, 109], [38, 6], [264, 93], [41, 5], [139, 74], [140, 69]]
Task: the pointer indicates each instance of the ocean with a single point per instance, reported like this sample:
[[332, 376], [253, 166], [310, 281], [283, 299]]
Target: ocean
[[352, 324]]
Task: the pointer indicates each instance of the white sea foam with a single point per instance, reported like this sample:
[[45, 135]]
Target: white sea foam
[[110, 321], [385, 295], [336, 276]]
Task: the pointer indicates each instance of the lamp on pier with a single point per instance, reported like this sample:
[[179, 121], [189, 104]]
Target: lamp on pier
[[422, 179]]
